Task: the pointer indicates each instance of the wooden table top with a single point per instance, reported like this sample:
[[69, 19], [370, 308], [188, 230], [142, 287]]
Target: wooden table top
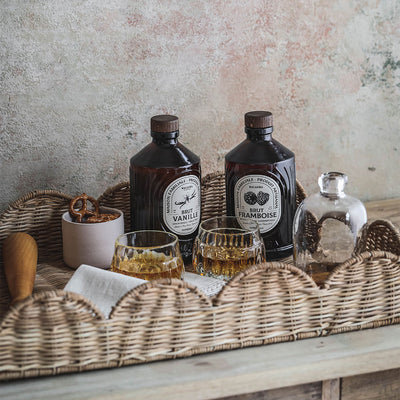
[[384, 209]]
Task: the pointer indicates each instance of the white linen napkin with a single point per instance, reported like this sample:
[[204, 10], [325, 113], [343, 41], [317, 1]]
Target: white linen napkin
[[105, 288]]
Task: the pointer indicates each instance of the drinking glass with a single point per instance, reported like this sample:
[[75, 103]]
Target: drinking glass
[[224, 247], [148, 255]]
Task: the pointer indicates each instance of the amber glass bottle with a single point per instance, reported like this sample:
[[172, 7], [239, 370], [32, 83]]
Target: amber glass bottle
[[261, 184], [165, 185]]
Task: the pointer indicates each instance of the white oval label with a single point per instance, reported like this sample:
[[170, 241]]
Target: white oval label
[[258, 197], [182, 205]]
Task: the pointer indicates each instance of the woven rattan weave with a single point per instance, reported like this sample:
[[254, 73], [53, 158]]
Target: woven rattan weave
[[53, 331]]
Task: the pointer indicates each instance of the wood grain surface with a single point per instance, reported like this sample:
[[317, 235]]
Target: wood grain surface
[[384, 209]]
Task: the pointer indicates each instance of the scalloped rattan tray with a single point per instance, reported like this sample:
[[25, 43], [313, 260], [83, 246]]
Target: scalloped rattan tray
[[54, 332]]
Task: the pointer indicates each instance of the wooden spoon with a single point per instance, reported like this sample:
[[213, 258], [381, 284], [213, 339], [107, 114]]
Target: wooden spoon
[[20, 255]]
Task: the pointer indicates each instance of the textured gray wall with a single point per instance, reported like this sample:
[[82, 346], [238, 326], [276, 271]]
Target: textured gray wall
[[79, 81]]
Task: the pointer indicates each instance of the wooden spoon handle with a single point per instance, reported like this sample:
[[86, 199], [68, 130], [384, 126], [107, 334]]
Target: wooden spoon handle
[[20, 255]]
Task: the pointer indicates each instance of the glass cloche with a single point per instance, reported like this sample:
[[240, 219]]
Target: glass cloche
[[326, 227]]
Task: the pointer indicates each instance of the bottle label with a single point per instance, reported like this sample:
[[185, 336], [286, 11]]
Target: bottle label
[[258, 197], [181, 205]]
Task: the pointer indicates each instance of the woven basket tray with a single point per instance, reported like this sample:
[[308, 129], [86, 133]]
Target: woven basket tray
[[54, 332]]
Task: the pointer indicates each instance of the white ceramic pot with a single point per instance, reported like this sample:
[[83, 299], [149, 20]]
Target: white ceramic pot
[[91, 244]]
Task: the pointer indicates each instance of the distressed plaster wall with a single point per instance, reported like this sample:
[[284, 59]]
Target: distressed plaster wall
[[79, 81]]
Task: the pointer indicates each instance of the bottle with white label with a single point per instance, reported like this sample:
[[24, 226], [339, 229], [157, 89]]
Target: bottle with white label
[[165, 185], [260, 178]]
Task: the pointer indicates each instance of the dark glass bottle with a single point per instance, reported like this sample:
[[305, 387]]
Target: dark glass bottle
[[165, 185], [260, 180]]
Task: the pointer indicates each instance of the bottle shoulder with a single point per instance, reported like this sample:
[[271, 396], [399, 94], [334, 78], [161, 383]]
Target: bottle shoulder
[[164, 156], [259, 152], [321, 206]]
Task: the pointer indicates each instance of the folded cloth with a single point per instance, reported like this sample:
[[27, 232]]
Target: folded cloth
[[105, 288], [209, 286]]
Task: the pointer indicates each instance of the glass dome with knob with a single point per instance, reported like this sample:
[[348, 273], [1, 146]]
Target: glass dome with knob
[[326, 227]]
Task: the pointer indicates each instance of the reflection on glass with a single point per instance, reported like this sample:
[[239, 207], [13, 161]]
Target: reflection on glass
[[148, 255], [225, 247]]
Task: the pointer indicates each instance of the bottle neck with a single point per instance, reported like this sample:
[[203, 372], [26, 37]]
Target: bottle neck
[[332, 184], [165, 138], [259, 134]]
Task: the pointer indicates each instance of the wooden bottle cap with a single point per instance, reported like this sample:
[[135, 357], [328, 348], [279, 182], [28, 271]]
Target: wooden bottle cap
[[258, 119], [164, 123]]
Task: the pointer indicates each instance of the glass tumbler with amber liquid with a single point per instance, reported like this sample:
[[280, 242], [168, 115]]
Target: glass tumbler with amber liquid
[[225, 247], [148, 255]]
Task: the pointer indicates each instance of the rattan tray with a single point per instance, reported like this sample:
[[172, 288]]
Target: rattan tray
[[54, 332]]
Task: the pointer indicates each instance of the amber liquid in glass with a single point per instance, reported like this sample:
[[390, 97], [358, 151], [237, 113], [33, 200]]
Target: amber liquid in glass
[[149, 265], [152, 170], [225, 262], [261, 155]]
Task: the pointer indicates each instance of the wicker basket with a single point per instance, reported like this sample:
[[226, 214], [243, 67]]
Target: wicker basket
[[54, 332]]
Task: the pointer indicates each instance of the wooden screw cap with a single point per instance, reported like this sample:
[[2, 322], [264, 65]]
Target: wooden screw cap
[[258, 119], [164, 123]]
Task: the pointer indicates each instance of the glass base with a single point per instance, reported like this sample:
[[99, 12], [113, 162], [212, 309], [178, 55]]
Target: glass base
[[200, 270]]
